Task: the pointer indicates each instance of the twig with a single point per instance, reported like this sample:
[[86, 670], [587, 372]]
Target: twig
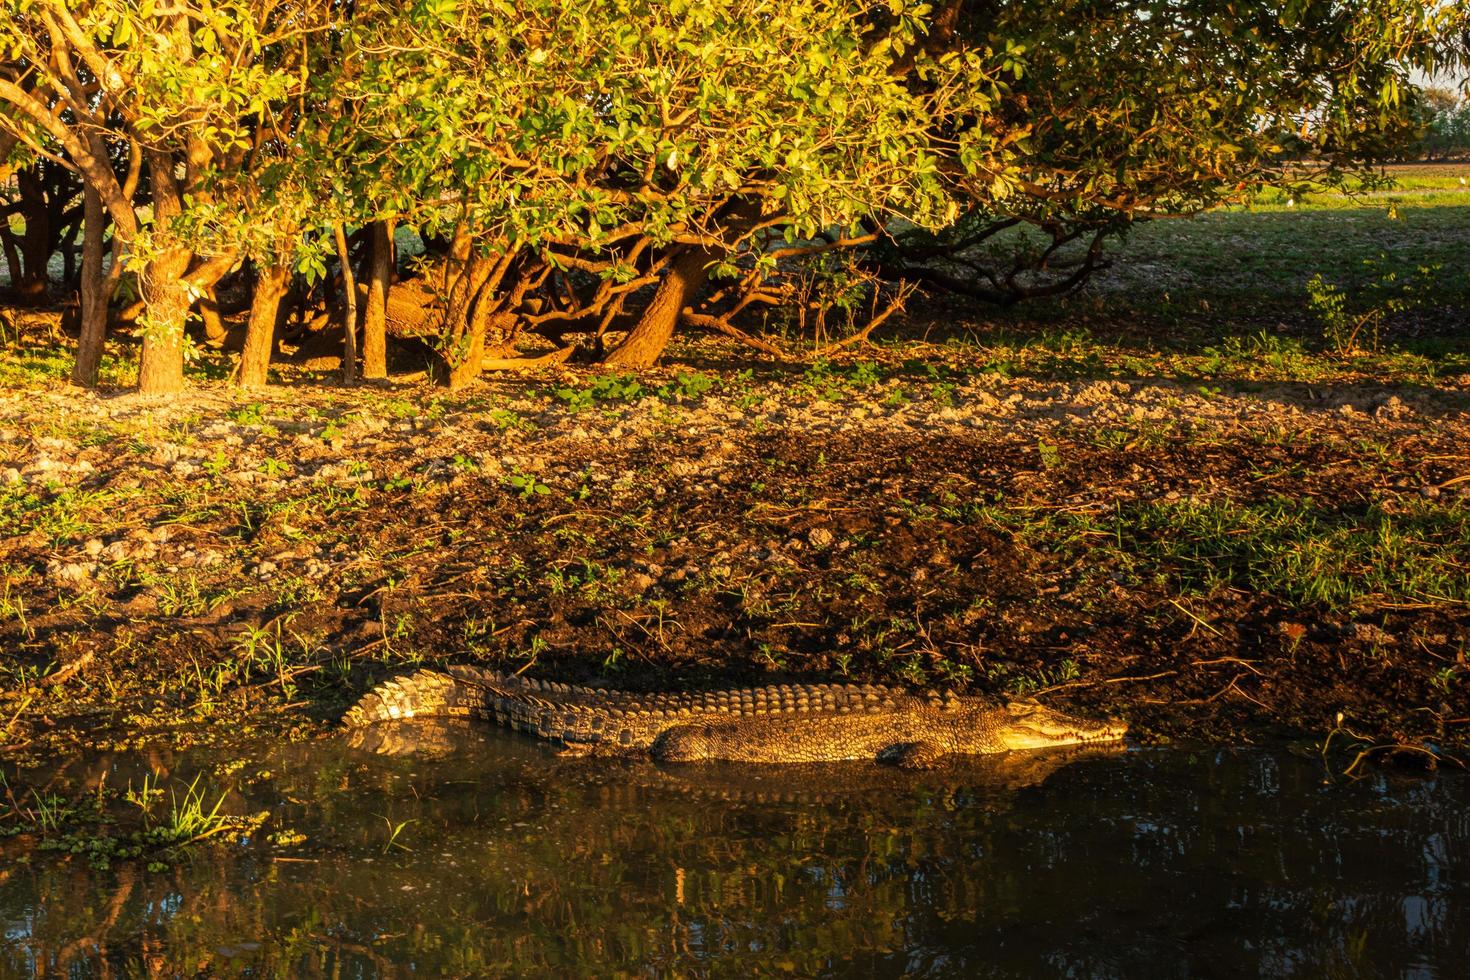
[[26, 703], [1232, 687], [1108, 680], [1198, 622], [1228, 660], [64, 674], [905, 290]]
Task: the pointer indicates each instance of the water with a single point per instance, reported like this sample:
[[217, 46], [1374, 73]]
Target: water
[[510, 860]]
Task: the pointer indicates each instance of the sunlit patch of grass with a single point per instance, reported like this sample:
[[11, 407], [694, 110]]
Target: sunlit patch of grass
[[1262, 260], [1336, 558], [190, 818], [1307, 553], [37, 367], [62, 516]]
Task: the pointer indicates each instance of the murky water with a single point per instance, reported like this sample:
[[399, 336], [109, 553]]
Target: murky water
[[511, 861]]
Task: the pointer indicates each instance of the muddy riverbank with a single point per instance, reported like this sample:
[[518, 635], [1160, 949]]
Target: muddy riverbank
[[1228, 561]]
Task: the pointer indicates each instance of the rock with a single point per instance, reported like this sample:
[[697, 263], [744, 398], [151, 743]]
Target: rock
[[819, 537], [93, 547], [265, 569], [1372, 634], [1391, 409], [72, 573]]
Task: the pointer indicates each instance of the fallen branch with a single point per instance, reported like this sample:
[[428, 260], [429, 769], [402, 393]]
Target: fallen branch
[[721, 325], [905, 290], [553, 359], [1109, 680]]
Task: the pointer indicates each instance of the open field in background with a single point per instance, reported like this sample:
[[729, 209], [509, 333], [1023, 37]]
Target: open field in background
[[1167, 496]]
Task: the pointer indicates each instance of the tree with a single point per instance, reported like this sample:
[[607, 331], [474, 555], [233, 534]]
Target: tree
[[593, 167], [46, 200], [188, 93], [588, 171], [1445, 123], [597, 166], [1133, 110]]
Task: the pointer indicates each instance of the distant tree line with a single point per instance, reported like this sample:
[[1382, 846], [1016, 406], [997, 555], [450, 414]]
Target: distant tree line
[[1445, 122], [599, 175]]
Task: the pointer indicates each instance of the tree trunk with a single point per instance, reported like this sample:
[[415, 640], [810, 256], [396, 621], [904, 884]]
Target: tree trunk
[[214, 327], [12, 253], [375, 318], [166, 299], [468, 368], [645, 343], [271, 285], [35, 241], [349, 288], [94, 291], [466, 312]]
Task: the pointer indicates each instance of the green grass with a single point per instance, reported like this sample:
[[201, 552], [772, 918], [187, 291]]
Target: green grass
[[1230, 262], [1309, 554], [1303, 553], [64, 516], [35, 366], [1224, 296]]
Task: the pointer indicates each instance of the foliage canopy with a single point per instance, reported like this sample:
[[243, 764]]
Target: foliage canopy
[[584, 168]]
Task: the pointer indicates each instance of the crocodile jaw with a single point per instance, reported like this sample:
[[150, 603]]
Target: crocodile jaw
[[1034, 727]]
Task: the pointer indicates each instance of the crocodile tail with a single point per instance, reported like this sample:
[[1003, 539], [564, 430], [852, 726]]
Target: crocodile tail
[[424, 694]]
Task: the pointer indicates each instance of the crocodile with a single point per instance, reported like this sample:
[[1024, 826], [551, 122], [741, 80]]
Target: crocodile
[[785, 723]]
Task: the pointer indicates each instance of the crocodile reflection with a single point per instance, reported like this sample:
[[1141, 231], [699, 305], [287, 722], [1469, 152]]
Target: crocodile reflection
[[806, 783]]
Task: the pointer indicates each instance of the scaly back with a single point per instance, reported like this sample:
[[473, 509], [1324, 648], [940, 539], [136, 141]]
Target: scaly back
[[574, 714]]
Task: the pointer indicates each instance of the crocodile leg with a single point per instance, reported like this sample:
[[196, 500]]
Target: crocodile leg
[[913, 755]]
